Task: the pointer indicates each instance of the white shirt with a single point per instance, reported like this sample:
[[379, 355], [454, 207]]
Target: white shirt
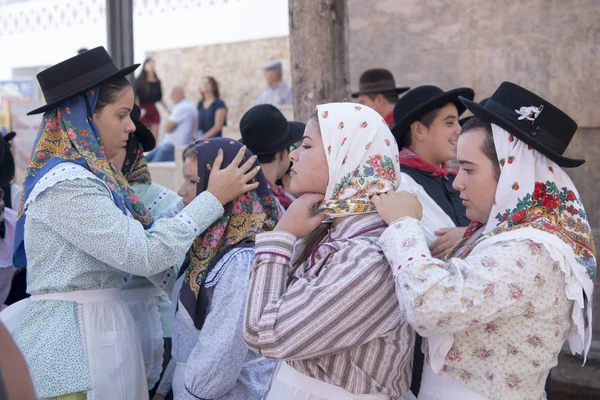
[[184, 115]]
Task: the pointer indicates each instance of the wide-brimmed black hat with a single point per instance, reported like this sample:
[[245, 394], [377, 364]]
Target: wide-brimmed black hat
[[7, 162], [142, 133], [265, 130], [76, 75], [421, 100], [531, 119], [464, 120], [377, 80]]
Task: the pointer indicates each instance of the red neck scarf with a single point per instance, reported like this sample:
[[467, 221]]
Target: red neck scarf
[[280, 195], [389, 119], [410, 159]]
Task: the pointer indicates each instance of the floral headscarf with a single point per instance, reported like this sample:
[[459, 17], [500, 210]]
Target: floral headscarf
[[68, 134], [537, 200], [135, 167], [247, 215], [362, 155]]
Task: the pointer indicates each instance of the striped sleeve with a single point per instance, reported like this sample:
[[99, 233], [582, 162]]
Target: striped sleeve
[[348, 304]]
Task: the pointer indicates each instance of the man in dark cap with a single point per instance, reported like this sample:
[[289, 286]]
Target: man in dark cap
[[377, 89], [267, 134]]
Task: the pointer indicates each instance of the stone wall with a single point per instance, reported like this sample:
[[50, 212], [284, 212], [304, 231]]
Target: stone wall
[[237, 67]]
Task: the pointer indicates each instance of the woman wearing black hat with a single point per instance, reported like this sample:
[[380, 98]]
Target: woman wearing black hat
[[82, 231], [497, 311]]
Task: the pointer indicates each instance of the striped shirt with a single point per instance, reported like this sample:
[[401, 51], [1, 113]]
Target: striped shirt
[[340, 322]]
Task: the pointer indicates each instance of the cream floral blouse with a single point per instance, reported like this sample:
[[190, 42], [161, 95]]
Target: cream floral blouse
[[506, 307]]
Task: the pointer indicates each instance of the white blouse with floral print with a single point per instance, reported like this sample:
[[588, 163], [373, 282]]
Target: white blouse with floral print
[[506, 307]]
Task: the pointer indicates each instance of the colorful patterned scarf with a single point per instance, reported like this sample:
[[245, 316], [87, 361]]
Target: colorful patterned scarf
[[249, 214], [536, 200], [362, 155], [135, 167], [68, 134]]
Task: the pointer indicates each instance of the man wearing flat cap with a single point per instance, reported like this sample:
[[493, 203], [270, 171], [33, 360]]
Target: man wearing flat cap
[[377, 90], [276, 92]]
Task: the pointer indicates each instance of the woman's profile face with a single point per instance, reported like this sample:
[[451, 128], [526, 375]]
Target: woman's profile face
[[114, 123], [149, 66], [206, 87], [476, 179], [310, 171]]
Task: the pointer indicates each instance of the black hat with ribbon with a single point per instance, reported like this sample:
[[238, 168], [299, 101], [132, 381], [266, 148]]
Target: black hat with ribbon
[[531, 119], [76, 75]]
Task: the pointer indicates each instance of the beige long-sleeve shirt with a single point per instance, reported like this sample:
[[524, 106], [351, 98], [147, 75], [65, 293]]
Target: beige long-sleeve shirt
[[340, 322], [505, 305]]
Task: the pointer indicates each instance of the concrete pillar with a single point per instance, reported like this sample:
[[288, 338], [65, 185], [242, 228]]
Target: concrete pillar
[[319, 53]]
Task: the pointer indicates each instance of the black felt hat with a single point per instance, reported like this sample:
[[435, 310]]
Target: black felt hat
[[142, 133], [464, 120], [7, 162], [265, 130], [531, 119], [377, 80], [76, 75], [421, 100]]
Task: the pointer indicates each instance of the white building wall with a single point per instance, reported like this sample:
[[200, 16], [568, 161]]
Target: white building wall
[[39, 33]]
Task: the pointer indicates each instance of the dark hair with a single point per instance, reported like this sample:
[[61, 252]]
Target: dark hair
[[141, 83], [109, 92], [215, 87], [190, 151], [426, 120], [488, 148], [315, 237], [389, 96], [266, 159]]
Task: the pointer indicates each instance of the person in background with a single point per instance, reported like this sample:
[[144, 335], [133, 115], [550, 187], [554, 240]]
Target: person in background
[[8, 219], [179, 129], [210, 359], [377, 89], [12, 191], [212, 111], [497, 310], [426, 128], [270, 136], [276, 92], [148, 91], [149, 304]]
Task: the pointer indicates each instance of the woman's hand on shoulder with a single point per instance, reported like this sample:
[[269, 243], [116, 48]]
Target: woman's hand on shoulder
[[299, 219], [396, 205], [232, 181]]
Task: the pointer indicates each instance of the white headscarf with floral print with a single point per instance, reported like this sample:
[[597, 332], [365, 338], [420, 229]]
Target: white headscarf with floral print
[[529, 186], [362, 156]]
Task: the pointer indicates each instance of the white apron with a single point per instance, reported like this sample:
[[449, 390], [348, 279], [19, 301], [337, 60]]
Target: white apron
[[444, 387], [143, 306], [287, 383], [111, 341]]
